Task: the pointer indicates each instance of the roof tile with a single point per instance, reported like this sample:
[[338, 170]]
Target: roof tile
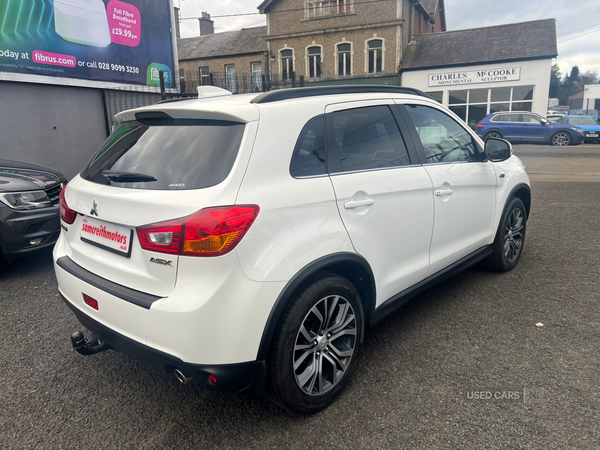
[[480, 45], [247, 40]]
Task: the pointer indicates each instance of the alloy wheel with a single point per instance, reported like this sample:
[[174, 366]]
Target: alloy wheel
[[324, 345], [513, 239], [561, 139]]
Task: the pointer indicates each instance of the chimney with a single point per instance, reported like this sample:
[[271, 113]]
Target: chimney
[[177, 31], [207, 26]]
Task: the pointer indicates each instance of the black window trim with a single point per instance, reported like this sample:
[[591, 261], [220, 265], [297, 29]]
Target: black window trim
[[321, 175], [334, 164], [417, 140]]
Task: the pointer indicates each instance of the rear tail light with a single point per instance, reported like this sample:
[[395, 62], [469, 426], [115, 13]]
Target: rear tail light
[[479, 125], [209, 232], [67, 215], [162, 237]]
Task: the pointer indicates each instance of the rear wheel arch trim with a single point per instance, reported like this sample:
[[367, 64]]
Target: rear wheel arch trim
[[300, 277]]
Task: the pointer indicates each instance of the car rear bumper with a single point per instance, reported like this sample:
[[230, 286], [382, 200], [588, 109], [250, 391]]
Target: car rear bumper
[[22, 232], [211, 323], [248, 377]]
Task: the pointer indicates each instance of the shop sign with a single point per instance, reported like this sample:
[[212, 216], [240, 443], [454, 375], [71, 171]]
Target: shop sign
[[475, 76]]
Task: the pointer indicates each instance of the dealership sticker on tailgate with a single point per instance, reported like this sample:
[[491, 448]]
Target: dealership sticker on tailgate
[[108, 236]]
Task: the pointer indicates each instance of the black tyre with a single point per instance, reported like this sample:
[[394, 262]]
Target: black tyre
[[561, 138], [510, 237], [492, 134], [315, 348]]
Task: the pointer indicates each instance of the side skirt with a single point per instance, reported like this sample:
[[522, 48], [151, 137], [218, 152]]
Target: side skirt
[[398, 300]]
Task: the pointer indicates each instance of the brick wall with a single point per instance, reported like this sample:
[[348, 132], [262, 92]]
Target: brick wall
[[328, 43], [283, 21], [216, 66]]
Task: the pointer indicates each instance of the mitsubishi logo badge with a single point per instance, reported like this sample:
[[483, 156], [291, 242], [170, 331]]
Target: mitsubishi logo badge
[[94, 210]]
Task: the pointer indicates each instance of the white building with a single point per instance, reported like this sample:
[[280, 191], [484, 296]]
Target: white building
[[591, 97], [479, 71]]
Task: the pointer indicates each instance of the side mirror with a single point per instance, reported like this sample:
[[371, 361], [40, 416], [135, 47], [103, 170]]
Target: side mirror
[[545, 122], [498, 149]]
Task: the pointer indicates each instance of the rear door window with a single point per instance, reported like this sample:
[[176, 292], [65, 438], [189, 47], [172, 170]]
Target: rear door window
[[368, 138], [183, 155]]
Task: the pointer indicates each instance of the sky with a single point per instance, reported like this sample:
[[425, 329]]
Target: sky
[[577, 21]]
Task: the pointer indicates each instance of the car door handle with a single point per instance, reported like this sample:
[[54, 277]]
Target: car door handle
[[443, 192], [358, 203]]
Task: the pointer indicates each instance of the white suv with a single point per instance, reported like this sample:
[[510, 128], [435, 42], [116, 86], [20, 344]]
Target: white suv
[[249, 241]]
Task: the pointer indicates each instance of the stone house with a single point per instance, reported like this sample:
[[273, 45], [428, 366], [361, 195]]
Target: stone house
[[316, 41], [233, 60], [343, 39]]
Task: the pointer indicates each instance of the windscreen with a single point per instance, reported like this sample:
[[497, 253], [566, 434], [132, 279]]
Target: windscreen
[[181, 155]]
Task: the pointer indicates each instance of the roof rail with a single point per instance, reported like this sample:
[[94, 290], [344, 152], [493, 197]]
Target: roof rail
[[286, 94]]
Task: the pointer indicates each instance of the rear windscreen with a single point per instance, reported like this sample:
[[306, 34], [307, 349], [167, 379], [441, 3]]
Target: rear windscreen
[[182, 155]]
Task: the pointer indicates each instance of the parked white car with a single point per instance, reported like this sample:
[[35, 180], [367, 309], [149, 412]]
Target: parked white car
[[248, 241]]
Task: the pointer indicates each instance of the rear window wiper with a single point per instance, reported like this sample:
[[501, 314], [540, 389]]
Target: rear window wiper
[[127, 177]]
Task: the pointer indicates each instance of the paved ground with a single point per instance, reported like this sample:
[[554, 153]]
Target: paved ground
[[475, 331]]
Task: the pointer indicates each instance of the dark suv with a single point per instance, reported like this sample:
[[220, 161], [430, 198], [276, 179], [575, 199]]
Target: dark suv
[[29, 219]]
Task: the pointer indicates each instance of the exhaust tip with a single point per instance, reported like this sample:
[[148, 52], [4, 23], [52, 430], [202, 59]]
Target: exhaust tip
[[182, 377]]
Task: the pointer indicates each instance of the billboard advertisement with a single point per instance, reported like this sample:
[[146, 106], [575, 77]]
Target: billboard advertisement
[[126, 42]]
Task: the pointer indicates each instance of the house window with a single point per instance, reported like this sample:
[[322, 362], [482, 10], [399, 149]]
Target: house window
[[375, 48], [181, 80], [204, 76], [318, 9], [256, 68], [344, 60], [314, 62], [287, 64], [230, 77]]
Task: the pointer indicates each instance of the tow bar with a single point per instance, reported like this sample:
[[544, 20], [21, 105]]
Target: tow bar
[[89, 346]]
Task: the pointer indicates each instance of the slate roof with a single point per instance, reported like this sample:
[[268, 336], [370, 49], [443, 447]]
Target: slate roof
[[247, 40], [429, 5], [515, 41]]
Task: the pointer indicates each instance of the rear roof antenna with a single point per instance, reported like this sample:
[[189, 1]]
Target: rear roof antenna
[[212, 91]]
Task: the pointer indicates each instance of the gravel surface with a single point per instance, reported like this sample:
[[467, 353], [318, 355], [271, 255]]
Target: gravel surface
[[477, 331]]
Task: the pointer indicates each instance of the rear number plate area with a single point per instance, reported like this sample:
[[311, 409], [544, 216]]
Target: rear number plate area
[[110, 237]]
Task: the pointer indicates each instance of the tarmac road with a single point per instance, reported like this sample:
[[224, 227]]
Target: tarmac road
[[472, 333]]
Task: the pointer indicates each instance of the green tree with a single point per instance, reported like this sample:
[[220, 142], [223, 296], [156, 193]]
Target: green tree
[[570, 85], [589, 77], [555, 76]]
